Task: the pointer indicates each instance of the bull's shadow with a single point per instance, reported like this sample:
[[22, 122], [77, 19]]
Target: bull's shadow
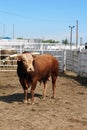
[[18, 97]]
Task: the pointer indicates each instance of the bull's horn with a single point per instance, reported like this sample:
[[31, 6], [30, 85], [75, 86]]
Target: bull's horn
[[14, 55], [35, 53]]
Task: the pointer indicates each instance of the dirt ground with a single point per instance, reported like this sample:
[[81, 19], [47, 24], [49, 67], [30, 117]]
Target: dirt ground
[[68, 111]]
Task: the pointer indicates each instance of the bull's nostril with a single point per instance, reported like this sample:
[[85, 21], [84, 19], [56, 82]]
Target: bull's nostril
[[30, 69]]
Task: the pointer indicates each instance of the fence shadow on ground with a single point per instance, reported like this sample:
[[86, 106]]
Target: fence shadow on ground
[[71, 75], [18, 97]]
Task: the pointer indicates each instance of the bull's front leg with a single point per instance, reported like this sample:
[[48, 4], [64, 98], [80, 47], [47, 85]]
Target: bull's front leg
[[25, 88], [32, 92], [25, 95]]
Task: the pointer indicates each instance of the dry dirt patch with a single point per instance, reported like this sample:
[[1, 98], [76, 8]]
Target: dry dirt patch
[[68, 111]]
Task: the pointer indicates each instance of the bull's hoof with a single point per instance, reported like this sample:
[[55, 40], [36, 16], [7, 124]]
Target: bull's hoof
[[43, 98], [25, 101], [31, 103]]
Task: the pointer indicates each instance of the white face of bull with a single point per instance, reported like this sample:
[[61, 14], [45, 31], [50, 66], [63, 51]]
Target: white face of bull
[[27, 61]]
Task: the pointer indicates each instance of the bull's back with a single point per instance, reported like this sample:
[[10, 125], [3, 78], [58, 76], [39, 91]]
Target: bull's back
[[47, 62]]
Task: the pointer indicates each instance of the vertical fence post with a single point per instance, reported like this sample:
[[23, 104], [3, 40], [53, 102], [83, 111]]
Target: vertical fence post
[[41, 48]]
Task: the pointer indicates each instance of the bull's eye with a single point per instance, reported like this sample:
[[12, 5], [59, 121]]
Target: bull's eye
[[23, 61]]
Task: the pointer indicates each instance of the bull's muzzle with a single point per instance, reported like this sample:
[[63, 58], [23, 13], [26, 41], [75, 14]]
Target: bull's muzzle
[[30, 68]]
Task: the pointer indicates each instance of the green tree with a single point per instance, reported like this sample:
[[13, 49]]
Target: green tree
[[65, 42], [49, 41], [19, 38]]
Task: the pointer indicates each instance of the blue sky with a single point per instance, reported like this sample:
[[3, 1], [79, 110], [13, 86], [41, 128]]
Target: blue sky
[[48, 19]]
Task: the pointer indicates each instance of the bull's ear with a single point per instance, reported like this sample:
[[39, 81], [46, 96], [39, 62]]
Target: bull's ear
[[34, 56], [18, 58]]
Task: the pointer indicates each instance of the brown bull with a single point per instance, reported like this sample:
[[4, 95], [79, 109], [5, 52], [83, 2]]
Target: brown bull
[[30, 70]]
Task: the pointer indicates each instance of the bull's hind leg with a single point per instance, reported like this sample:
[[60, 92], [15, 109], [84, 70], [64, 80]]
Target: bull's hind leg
[[54, 86], [45, 88]]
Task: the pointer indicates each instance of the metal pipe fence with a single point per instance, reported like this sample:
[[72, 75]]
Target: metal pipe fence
[[41, 48]]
